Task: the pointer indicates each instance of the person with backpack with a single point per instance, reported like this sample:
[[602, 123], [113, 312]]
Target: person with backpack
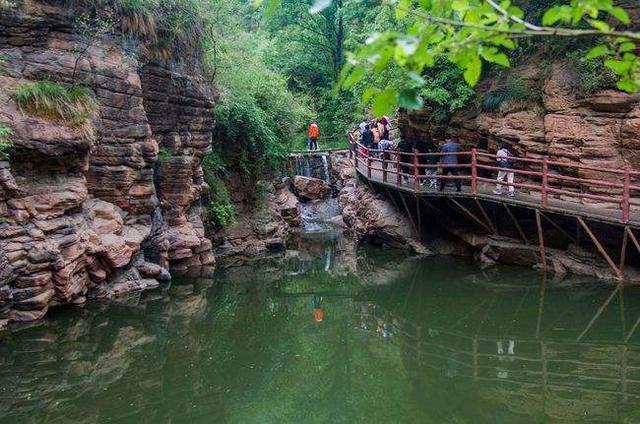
[[449, 159], [314, 133], [502, 158]]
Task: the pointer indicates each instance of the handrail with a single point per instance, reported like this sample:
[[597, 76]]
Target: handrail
[[542, 175]]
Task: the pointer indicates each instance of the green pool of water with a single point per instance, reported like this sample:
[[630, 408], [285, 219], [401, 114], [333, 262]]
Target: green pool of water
[[324, 336]]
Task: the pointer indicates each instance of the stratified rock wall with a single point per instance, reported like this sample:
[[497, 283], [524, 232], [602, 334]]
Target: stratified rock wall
[[96, 215]]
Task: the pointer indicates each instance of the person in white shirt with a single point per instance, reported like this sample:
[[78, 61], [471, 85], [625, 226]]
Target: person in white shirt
[[502, 158]]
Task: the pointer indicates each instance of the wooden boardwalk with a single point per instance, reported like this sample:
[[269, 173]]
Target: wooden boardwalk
[[602, 212], [582, 192]]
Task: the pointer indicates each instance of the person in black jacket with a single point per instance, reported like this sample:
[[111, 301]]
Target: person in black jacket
[[405, 149]]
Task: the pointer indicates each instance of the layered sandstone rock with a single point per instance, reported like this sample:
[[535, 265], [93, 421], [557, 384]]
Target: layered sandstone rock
[[308, 188], [264, 215], [83, 215]]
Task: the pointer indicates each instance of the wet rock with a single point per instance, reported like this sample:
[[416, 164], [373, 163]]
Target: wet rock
[[307, 188], [373, 219]]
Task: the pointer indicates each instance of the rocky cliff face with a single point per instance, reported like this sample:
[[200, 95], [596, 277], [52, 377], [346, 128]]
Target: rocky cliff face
[[85, 216]]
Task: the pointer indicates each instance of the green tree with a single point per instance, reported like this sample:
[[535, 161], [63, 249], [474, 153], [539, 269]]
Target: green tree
[[470, 32]]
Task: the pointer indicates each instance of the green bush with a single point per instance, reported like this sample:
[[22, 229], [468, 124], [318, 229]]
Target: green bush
[[220, 209], [72, 106], [164, 154], [518, 89], [445, 90], [492, 101], [5, 142], [591, 74]]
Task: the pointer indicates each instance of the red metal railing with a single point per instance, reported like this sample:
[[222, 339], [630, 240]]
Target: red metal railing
[[607, 188]]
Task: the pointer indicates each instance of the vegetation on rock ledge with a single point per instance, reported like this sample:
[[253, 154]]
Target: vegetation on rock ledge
[[71, 106], [5, 142]]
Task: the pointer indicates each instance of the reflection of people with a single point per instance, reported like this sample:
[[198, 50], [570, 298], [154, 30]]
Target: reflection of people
[[318, 313]]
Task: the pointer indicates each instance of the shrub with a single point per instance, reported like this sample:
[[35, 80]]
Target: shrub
[[220, 209], [518, 89], [72, 106], [164, 154], [5, 142], [591, 74], [492, 101]]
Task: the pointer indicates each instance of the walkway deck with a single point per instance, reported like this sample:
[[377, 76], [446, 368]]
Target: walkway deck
[[575, 204]]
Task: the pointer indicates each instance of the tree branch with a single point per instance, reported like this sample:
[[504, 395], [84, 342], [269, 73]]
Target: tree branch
[[543, 31]]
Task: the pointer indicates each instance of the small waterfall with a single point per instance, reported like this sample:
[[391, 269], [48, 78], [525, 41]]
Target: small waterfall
[[327, 259], [325, 169]]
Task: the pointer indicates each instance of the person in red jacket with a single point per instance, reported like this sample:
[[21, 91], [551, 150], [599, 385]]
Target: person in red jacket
[[314, 133]]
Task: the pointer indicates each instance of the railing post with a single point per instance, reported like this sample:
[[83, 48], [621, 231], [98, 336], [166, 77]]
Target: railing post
[[356, 151], [416, 171], [544, 196], [368, 163], [474, 171], [626, 195], [398, 168], [384, 166]]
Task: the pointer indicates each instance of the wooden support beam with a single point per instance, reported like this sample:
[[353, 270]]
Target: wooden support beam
[[623, 250], [486, 217], [516, 223], [543, 290], [601, 249], [471, 215], [633, 239], [543, 253], [437, 210], [419, 216], [633, 330], [393, 199], [559, 228], [406, 208], [598, 313]]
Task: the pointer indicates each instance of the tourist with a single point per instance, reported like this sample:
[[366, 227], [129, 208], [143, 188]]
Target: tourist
[[385, 145], [450, 161], [383, 129], [367, 137], [314, 133], [423, 149], [502, 157], [376, 136], [432, 170], [405, 147]]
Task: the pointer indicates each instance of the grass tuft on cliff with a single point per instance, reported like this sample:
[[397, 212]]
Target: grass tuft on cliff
[[5, 142], [71, 106]]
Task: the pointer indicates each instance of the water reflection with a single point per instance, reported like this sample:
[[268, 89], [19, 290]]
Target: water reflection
[[373, 337]]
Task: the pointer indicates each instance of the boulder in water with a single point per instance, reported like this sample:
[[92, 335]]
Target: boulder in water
[[307, 188]]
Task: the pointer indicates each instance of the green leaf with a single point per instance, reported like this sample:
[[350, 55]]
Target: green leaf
[[627, 85], [402, 10], [627, 47], [354, 76], [620, 14], [473, 69], [597, 51], [385, 102], [409, 99], [493, 56], [620, 67], [460, 5], [369, 93], [599, 25], [555, 14]]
